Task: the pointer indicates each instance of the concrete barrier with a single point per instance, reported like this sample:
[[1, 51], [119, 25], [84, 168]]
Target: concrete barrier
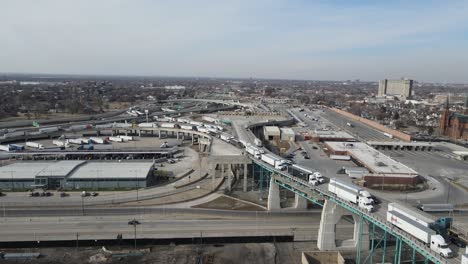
[[373, 124]]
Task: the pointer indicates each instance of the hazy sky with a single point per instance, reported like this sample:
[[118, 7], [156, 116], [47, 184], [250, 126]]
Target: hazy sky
[[321, 40]]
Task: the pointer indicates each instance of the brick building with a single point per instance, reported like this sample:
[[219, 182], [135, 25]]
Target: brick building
[[454, 125]]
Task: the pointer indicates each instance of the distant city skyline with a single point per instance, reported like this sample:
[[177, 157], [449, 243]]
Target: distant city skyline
[[307, 40]]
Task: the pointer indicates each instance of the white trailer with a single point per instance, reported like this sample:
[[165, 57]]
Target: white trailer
[[405, 221], [122, 125], [388, 135], [351, 193], [97, 140], [5, 147], [258, 142], [60, 143], [104, 126], [76, 141], [273, 161], [183, 120], [252, 150], [147, 125], [48, 129], [167, 125], [412, 213], [340, 157], [116, 139], [188, 127], [34, 145], [196, 123], [126, 138], [213, 130], [84, 140]]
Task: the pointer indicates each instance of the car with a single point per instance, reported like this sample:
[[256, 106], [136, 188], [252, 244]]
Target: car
[[304, 153], [306, 157], [457, 241], [314, 147], [171, 161], [63, 194], [94, 194]]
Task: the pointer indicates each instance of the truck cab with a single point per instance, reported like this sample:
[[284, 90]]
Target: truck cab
[[313, 180], [366, 204], [318, 177], [368, 196], [439, 245]]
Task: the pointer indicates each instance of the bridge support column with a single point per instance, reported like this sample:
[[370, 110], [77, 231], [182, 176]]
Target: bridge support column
[[273, 196], [213, 176], [331, 215], [159, 134], [192, 139], [300, 202], [177, 135], [229, 179], [245, 177]]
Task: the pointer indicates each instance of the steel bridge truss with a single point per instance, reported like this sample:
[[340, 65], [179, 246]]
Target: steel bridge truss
[[381, 232]]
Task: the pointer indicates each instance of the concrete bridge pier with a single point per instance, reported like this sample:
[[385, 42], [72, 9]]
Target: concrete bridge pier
[[331, 215], [300, 202], [273, 196], [245, 177]]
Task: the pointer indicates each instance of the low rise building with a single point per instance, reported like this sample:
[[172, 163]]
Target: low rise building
[[288, 134], [272, 133]]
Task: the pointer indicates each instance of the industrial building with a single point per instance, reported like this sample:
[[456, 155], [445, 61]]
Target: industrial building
[[383, 170], [272, 133], [75, 174], [288, 134], [400, 88]]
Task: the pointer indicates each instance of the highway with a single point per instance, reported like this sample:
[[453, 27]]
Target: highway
[[153, 226], [361, 131]]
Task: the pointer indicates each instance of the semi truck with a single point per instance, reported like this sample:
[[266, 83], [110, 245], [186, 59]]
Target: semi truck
[[167, 125], [225, 137], [273, 161], [314, 177], [351, 193], [34, 145], [413, 223], [252, 150]]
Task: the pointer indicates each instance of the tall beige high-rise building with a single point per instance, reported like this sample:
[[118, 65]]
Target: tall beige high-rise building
[[403, 88]]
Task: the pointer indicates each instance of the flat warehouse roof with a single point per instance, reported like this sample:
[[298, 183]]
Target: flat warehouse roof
[[374, 160], [112, 170], [22, 170], [60, 168]]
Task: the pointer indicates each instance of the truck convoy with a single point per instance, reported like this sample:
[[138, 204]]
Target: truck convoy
[[313, 177], [419, 226], [351, 193]]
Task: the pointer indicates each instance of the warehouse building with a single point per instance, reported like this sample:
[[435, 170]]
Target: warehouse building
[[383, 170], [272, 133], [111, 175], [75, 174]]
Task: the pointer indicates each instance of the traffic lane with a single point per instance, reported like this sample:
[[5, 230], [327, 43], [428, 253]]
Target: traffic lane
[[79, 211]]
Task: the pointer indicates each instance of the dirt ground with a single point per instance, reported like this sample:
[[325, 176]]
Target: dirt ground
[[246, 253]]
